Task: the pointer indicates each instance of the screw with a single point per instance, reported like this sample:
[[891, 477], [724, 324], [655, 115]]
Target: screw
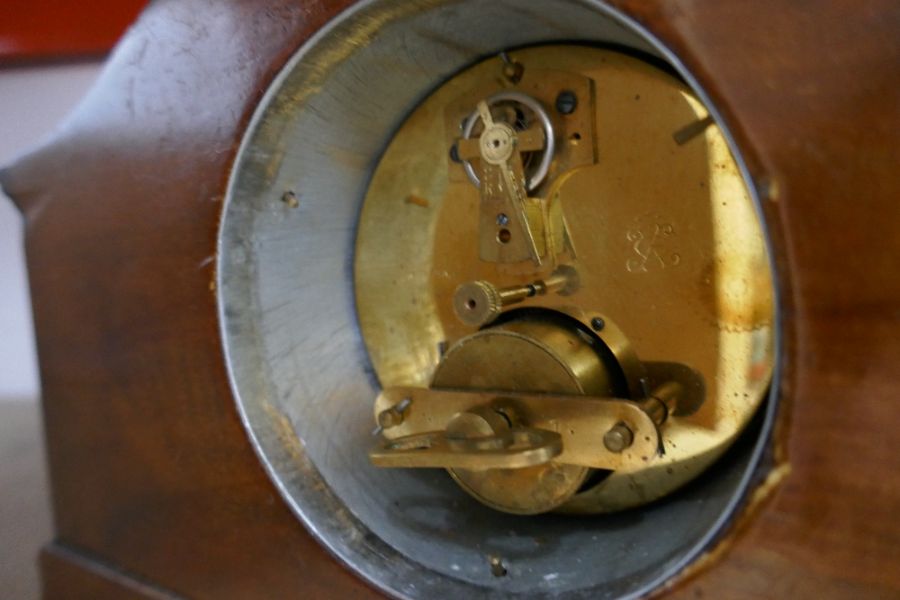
[[598, 324], [512, 70], [768, 188], [290, 198], [566, 102], [502, 219], [497, 568], [393, 416], [618, 438]]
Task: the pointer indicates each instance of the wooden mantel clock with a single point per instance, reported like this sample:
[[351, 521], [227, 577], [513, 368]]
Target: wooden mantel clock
[[462, 299]]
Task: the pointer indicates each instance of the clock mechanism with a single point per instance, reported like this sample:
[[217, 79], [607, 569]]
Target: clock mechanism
[[562, 284]]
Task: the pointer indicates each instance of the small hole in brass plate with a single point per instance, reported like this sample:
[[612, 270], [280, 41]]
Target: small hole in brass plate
[[503, 236]]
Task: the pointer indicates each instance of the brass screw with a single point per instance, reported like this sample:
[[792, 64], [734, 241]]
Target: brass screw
[[512, 70], [393, 416], [768, 188], [497, 568], [618, 438], [290, 198]]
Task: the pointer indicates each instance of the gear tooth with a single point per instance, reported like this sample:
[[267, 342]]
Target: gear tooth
[[477, 303], [492, 296]]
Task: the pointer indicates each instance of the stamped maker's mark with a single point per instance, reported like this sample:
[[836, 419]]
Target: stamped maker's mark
[[651, 245]]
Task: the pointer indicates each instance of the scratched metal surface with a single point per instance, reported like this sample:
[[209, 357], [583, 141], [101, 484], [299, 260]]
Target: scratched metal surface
[[296, 359]]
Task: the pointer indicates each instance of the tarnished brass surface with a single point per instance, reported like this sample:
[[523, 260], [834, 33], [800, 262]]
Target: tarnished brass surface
[[577, 419], [529, 355], [669, 252], [503, 188], [478, 303], [516, 449]]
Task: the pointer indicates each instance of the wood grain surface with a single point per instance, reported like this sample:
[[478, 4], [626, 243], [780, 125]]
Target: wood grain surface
[[152, 473], [812, 92]]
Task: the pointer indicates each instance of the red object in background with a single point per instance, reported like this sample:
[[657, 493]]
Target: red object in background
[[50, 29]]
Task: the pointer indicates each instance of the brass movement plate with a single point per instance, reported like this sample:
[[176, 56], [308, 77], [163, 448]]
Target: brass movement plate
[[667, 242]]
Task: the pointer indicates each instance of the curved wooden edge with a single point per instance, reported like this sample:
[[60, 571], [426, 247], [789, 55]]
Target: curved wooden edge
[[151, 469]]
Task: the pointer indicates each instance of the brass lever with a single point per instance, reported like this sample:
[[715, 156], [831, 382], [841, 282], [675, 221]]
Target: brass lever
[[460, 428], [512, 449]]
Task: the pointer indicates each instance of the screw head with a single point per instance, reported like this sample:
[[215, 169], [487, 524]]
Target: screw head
[[390, 418], [566, 102], [618, 438], [502, 219], [497, 567], [393, 416], [290, 199], [513, 71], [598, 324]]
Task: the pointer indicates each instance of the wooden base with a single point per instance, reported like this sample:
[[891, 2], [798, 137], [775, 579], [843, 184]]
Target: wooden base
[[66, 573]]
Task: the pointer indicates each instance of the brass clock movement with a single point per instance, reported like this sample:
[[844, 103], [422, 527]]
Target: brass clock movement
[[562, 284]]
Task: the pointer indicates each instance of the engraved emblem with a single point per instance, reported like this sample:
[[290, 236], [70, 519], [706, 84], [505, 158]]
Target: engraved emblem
[[651, 239]]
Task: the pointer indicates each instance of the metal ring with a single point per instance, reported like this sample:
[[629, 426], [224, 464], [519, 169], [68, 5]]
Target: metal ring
[[536, 179]]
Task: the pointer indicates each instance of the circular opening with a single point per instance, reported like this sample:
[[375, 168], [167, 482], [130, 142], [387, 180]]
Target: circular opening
[[299, 368], [471, 304], [503, 236]]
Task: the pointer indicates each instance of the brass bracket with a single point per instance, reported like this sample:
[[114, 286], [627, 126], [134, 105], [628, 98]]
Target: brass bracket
[[503, 186], [514, 226], [420, 438]]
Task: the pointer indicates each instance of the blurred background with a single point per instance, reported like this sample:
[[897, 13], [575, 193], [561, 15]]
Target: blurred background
[[51, 51]]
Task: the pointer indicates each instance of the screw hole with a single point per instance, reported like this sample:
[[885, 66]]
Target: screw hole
[[471, 304], [503, 236]]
